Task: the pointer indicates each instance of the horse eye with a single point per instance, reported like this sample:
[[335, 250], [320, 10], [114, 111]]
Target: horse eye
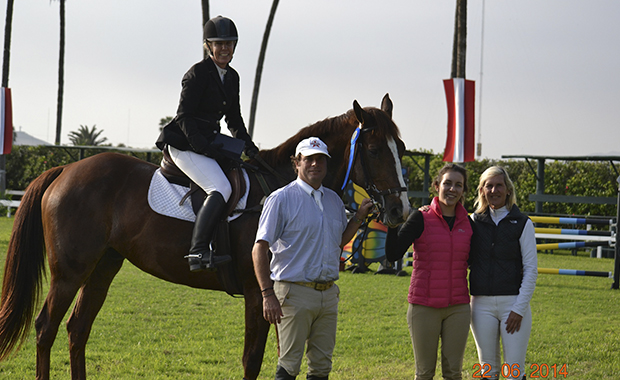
[[373, 152]]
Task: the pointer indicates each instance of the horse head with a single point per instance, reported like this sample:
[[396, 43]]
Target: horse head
[[377, 163], [373, 161]]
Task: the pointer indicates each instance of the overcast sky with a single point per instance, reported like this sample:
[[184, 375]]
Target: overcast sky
[[550, 83]]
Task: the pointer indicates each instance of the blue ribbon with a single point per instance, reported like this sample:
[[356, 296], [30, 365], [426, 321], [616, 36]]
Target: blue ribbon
[[354, 136]]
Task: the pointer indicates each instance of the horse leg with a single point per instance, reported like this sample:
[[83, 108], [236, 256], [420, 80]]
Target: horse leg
[[256, 331], [89, 303], [56, 304]]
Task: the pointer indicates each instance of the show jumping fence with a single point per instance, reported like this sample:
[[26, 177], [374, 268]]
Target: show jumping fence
[[601, 238], [588, 238], [585, 237]]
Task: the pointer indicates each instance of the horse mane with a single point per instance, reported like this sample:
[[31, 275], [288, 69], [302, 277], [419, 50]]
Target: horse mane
[[344, 123], [281, 154]]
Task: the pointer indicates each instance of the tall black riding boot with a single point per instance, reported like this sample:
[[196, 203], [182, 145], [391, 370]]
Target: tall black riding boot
[[282, 374], [200, 255], [313, 377]]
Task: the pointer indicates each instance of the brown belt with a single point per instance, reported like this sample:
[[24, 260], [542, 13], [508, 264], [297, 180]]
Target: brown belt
[[316, 285]]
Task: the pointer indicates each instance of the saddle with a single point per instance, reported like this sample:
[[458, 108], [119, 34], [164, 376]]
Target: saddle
[[226, 273], [232, 170]]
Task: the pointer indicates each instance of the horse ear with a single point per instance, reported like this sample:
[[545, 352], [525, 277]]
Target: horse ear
[[359, 112], [386, 105]]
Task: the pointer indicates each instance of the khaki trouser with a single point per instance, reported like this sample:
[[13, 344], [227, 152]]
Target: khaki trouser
[[426, 326], [310, 317]]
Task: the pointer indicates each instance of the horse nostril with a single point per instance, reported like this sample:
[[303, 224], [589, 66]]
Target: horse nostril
[[396, 212]]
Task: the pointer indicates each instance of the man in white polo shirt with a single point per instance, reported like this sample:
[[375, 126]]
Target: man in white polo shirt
[[305, 226]]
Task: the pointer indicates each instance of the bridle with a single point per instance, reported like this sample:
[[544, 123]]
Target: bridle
[[376, 195]]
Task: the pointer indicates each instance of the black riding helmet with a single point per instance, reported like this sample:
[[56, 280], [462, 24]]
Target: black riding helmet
[[220, 29]]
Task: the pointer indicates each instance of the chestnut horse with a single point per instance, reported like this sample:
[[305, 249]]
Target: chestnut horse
[[91, 215]]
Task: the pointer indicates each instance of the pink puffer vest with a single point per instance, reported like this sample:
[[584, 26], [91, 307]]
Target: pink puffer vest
[[439, 277]]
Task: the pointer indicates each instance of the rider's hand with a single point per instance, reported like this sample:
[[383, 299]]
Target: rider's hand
[[251, 151]]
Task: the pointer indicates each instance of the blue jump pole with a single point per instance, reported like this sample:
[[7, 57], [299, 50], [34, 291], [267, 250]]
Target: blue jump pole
[[575, 272]]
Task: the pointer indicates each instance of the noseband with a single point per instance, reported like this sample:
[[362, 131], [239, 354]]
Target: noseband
[[376, 195]]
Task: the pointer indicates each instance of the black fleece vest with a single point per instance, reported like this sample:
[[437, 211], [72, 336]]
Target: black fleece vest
[[496, 265]]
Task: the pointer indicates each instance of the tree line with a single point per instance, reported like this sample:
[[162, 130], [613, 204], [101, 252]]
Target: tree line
[[579, 178]]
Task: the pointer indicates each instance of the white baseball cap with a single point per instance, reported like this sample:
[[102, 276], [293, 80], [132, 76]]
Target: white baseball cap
[[310, 146]]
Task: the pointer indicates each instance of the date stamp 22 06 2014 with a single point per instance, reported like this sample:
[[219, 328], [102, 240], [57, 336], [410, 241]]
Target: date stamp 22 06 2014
[[538, 371]]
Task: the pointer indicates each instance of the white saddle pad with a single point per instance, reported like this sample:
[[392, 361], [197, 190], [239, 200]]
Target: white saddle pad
[[164, 198]]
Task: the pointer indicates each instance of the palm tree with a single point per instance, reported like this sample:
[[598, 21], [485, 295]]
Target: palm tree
[[205, 18], [259, 66], [459, 46], [5, 77], [61, 72], [86, 137], [164, 121], [7, 43]]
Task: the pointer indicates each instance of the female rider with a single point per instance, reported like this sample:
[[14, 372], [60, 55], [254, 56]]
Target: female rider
[[210, 91]]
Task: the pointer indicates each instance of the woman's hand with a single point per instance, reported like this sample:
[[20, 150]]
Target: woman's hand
[[513, 323], [424, 208]]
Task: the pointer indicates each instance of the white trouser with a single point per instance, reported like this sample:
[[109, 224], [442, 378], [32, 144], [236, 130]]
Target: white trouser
[[488, 324], [203, 170]]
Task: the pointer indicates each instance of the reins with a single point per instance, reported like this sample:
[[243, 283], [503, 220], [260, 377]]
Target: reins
[[269, 168], [377, 196], [261, 181]]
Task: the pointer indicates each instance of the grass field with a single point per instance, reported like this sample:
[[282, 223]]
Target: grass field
[[156, 330]]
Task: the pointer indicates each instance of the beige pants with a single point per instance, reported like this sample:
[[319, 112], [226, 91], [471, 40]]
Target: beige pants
[[426, 326], [310, 317]]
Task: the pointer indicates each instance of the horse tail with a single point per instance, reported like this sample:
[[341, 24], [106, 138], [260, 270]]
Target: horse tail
[[25, 266]]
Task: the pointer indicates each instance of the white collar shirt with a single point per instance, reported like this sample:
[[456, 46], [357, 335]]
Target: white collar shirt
[[304, 240], [311, 191], [498, 214], [221, 72]]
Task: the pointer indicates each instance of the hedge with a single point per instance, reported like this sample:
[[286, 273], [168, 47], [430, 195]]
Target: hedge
[[581, 178]]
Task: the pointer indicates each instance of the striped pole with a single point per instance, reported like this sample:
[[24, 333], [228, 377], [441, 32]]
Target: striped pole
[[567, 231], [560, 220], [570, 245], [574, 272]]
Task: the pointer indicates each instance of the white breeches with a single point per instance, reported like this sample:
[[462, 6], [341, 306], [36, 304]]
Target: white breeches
[[488, 324], [203, 170]]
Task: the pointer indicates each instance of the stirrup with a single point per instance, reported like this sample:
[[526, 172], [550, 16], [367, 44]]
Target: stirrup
[[198, 262], [214, 261], [195, 262]]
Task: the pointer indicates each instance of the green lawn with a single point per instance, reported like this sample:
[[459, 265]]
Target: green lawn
[[156, 330]]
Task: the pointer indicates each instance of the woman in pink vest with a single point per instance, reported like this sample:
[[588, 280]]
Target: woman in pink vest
[[438, 294]]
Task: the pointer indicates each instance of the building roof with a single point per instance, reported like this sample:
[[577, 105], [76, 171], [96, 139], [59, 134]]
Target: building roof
[[22, 138]]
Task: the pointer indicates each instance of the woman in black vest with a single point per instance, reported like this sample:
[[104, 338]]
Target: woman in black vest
[[502, 278], [210, 92]]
